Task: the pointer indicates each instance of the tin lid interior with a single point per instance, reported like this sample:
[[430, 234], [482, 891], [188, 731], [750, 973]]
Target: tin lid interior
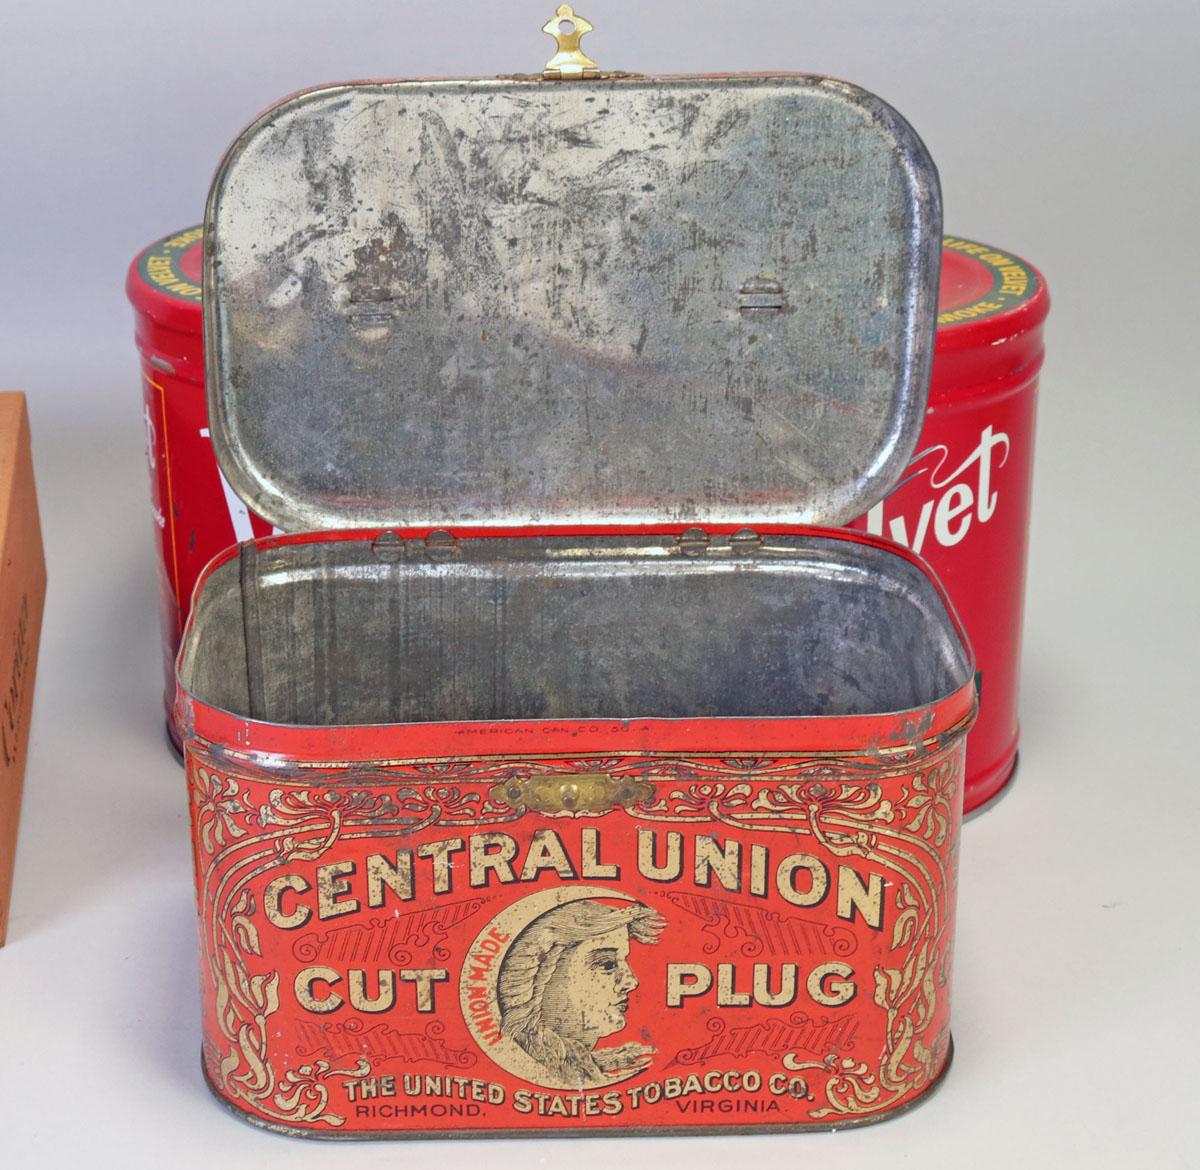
[[521, 302]]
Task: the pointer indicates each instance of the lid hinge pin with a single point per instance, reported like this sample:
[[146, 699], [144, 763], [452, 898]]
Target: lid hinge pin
[[694, 542], [440, 545], [388, 548]]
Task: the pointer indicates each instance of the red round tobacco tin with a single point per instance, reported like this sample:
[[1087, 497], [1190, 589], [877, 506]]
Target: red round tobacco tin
[[964, 502], [976, 444]]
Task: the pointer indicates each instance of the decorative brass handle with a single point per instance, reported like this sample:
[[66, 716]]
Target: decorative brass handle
[[572, 795]]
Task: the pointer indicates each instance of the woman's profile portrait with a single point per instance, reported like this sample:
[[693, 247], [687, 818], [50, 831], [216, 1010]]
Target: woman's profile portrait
[[565, 984]]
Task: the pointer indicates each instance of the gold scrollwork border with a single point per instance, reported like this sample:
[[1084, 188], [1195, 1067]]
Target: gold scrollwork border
[[841, 804], [914, 836]]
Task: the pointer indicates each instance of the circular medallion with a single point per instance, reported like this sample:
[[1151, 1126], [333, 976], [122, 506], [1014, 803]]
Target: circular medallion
[[546, 985]]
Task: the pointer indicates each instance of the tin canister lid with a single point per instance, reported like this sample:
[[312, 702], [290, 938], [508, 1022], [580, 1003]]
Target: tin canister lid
[[991, 309], [986, 294], [519, 302], [164, 280]]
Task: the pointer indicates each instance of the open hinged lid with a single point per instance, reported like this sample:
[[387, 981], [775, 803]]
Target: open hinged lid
[[609, 300]]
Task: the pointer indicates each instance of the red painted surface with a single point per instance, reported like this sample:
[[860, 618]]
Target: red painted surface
[[964, 502], [195, 514]]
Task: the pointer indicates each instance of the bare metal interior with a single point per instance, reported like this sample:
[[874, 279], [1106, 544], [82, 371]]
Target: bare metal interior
[[352, 631], [512, 303]]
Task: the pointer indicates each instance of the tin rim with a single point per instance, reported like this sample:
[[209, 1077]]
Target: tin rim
[[953, 712]]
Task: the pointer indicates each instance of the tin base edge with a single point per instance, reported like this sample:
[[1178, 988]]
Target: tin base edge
[[176, 747], [1005, 788], [625, 1132]]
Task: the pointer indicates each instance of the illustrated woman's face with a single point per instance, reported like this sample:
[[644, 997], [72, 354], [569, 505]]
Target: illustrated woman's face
[[589, 994]]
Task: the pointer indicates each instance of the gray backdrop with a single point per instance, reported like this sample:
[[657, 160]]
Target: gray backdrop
[[1065, 132]]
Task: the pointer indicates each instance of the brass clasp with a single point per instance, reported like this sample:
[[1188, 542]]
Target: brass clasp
[[577, 794], [570, 61]]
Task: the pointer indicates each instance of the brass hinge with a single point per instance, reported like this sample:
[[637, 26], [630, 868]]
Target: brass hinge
[[695, 542], [570, 62]]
